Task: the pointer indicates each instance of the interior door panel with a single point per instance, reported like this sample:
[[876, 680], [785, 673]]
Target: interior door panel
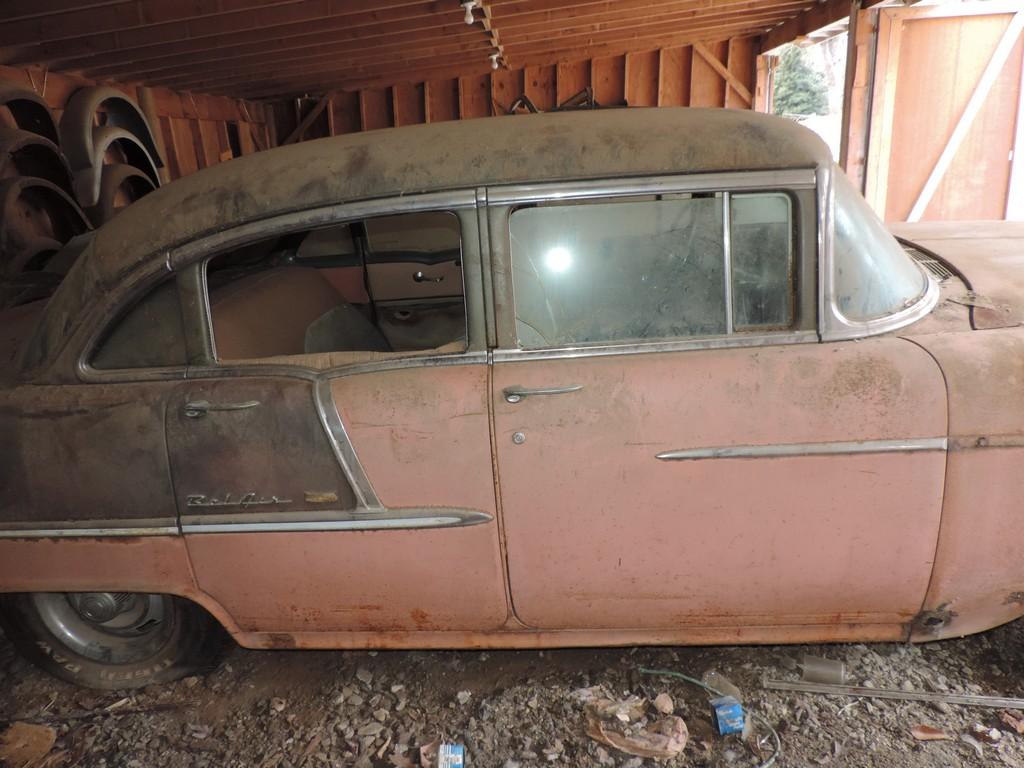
[[394, 280]]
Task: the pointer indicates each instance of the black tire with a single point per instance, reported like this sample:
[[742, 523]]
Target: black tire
[[184, 641]]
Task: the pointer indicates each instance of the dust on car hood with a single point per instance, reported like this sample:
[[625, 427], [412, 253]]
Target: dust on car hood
[[989, 254]]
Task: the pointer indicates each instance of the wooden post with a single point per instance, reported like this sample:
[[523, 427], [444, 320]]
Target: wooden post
[[148, 105], [307, 121], [851, 73], [730, 79]]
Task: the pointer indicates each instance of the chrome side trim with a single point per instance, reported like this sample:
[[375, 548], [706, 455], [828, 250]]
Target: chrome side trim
[[650, 185], [350, 369], [911, 445], [653, 347], [78, 533], [382, 519], [341, 445]]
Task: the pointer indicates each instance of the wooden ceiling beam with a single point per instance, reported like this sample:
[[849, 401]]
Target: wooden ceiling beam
[[260, 57], [681, 21], [468, 38], [816, 17], [353, 78], [312, 74], [261, 42], [669, 14], [505, 9], [389, 55], [171, 55], [613, 10], [522, 52], [22, 9], [124, 15], [262, 18]]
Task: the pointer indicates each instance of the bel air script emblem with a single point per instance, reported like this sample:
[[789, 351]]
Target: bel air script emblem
[[244, 501]]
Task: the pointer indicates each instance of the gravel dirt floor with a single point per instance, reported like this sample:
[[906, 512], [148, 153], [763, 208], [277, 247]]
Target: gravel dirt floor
[[514, 709]]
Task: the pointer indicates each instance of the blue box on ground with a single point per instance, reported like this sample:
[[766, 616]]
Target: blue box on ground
[[451, 756], [728, 715]]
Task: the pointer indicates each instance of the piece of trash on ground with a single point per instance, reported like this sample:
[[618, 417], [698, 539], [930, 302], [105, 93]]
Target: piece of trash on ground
[[814, 669], [985, 734], [661, 739], [25, 743], [1015, 723], [428, 753], [451, 756], [754, 716], [966, 738], [664, 704], [623, 724], [924, 732], [995, 702], [729, 715], [721, 684]]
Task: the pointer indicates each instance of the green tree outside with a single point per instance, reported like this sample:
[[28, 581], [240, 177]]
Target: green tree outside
[[799, 89]]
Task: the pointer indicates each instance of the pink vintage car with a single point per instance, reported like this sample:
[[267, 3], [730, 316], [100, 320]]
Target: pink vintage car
[[614, 377]]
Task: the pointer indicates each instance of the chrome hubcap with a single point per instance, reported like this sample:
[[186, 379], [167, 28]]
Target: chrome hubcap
[[109, 627], [100, 607]]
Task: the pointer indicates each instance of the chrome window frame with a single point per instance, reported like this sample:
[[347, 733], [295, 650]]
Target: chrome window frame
[[178, 260], [833, 325], [501, 201]]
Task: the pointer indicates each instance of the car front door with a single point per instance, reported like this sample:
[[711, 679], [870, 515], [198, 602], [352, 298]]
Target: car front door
[[330, 480], [675, 449]]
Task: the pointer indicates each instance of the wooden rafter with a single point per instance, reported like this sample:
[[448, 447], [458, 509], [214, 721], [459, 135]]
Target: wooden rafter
[[270, 48]]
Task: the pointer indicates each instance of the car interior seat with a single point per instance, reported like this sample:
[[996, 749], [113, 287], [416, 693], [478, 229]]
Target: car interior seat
[[288, 311]]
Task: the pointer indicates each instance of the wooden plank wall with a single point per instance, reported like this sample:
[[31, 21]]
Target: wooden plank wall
[[195, 128], [928, 62], [680, 76]]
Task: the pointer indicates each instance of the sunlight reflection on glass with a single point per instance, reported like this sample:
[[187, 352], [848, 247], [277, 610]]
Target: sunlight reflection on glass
[[558, 260]]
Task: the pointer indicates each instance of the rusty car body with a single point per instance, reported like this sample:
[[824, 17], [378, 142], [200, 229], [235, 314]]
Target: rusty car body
[[613, 377]]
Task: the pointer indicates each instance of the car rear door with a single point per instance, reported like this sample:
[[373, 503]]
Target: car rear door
[[339, 492], [675, 449]]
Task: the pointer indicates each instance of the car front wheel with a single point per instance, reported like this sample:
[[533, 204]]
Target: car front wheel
[[112, 640]]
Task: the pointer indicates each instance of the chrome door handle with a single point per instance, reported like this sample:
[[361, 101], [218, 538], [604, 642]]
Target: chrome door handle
[[419, 277], [197, 408], [515, 394]]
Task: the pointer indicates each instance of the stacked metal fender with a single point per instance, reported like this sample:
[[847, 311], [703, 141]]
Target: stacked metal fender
[[58, 183]]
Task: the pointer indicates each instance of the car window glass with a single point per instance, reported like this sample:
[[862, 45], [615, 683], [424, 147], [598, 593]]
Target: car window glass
[[874, 276], [382, 286], [761, 248], [150, 334], [598, 272], [330, 243]]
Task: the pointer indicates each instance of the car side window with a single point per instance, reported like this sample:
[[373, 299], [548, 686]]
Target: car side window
[[150, 334], [361, 290], [651, 268], [762, 257]]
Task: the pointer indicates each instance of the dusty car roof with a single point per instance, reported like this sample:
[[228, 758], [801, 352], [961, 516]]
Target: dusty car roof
[[449, 155], [396, 161]]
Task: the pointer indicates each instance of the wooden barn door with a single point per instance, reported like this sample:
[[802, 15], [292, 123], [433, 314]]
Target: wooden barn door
[[946, 121]]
